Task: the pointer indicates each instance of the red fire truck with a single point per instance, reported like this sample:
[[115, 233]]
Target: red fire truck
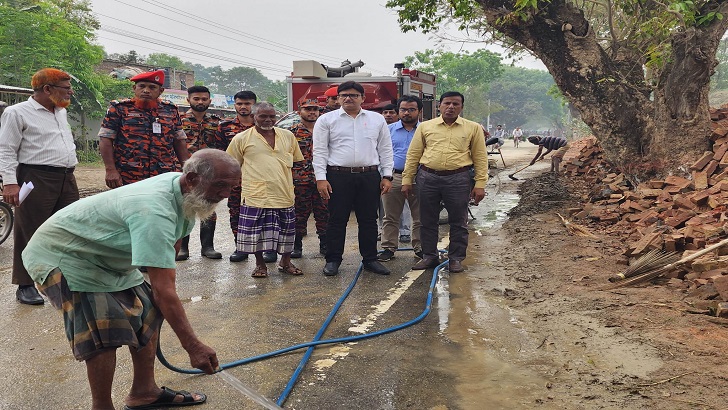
[[311, 79]]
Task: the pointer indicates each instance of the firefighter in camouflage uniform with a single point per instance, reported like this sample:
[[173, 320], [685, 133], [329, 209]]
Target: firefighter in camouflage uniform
[[142, 137], [308, 198], [200, 128], [226, 130]]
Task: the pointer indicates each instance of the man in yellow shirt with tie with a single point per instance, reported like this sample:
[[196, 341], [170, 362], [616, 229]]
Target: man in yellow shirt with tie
[[444, 149]]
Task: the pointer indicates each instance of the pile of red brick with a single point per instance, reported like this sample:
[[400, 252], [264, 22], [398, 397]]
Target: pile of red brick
[[674, 214], [585, 157]]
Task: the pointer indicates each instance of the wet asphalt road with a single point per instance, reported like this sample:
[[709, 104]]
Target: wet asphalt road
[[439, 363]]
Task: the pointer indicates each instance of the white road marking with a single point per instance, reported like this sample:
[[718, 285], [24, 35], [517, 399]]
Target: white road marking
[[393, 294]]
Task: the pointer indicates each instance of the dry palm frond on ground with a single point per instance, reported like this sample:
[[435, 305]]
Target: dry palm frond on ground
[[575, 229]]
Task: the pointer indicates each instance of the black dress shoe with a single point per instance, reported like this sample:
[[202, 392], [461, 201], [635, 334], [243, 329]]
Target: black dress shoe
[[238, 256], [376, 267], [29, 295], [270, 256], [296, 253], [332, 268]]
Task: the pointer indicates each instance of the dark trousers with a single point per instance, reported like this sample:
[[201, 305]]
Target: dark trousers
[[309, 200], [454, 192], [359, 192], [52, 192]]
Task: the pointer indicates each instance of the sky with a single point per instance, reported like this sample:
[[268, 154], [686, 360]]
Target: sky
[[268, 35]]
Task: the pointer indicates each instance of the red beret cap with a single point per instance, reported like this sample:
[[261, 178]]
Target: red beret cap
[[332, 92], [156, 77]]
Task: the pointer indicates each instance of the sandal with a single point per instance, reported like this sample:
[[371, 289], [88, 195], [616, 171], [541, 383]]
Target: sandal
[[290, 269], [166, 399], [260, 272]]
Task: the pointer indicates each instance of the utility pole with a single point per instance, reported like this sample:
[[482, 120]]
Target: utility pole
[[488, 120]]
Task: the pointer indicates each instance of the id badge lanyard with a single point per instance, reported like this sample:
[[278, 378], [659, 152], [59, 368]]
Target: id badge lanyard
[[156, 126]]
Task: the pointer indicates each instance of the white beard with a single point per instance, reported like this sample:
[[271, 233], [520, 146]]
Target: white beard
[[194, 204]]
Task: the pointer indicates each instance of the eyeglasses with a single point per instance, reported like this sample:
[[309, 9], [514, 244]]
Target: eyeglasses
[[352, 96], [408, 110], [69, 88]]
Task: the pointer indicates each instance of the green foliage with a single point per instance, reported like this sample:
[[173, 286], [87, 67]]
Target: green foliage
[[719, 80], [526, 96], [429, 15], [641, 29], [166, 60], [52, 34], [468, 73]]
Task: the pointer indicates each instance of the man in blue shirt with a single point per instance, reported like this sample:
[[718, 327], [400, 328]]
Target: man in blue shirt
[[402, 131]]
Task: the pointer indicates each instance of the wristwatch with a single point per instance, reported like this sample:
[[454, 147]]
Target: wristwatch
[[390, 179]]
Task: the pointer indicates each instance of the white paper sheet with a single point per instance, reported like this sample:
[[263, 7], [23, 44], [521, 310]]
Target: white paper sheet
[[24, 191]]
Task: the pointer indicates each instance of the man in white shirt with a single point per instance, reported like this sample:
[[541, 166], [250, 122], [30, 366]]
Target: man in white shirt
[[352, 160], [517, 134], [36, 145]]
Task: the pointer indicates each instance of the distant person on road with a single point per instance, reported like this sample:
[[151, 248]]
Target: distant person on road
[[395, 200], [498, 138], [308, 199], [228, 129], [352, 159], [142, 137], [332, 100], [550, 143], [389, 112], [200, 128], [517, 134], [36, 145], [444, 149], [267, 215], [85, 260]]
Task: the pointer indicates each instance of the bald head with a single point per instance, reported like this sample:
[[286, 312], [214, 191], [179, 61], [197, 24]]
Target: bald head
[[208, 177], [211, 164]]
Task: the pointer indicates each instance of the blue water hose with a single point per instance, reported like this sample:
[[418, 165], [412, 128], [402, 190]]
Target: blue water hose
[[319, 334]]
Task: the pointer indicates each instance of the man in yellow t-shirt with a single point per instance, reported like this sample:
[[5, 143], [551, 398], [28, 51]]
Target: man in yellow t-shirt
[[267, 214]]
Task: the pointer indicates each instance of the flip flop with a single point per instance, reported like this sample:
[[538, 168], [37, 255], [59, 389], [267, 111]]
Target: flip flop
[[290, 269], [260, 272], [166, 399]]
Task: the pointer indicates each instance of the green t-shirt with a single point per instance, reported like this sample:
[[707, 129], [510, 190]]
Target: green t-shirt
[[99, 241]]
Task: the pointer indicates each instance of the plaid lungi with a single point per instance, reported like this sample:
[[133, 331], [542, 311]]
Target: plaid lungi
[[266, 229], [97, 321]]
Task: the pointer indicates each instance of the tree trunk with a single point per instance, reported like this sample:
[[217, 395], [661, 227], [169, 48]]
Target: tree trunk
[[639, 134]]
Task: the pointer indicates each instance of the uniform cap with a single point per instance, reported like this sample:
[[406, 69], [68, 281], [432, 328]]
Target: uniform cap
[[308, 102], [332, 92], [156, 77]]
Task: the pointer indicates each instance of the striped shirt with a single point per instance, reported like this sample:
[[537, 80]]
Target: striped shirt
[[30, 134], [552, 143]]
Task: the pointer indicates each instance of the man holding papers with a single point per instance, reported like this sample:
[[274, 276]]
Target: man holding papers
[[36, 146]]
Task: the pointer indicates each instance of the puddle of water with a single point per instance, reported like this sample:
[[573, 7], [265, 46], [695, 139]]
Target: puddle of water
[[493, 211]]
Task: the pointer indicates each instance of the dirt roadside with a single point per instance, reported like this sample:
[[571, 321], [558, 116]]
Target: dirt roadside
[[630, 348], [633, 348]]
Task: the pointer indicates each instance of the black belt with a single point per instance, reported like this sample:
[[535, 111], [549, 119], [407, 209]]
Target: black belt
[[445, 172], [352, 170], [398, 171], [48, 168]]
